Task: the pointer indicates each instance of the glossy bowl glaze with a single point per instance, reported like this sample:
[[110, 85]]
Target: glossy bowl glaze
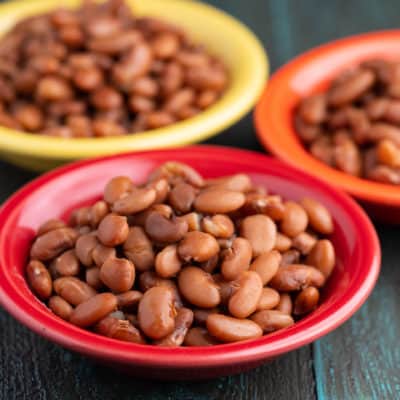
[[57, 193], [222, 35], [309, 73]]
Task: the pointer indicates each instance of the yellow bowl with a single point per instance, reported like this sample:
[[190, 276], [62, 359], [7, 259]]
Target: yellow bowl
[[224, 36]]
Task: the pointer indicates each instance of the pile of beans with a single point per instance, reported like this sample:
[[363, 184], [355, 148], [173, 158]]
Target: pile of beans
[[181, 260], [98, 71], [355, 125]]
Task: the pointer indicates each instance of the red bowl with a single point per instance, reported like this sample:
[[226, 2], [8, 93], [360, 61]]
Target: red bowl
[[309, 73], [56, 193]]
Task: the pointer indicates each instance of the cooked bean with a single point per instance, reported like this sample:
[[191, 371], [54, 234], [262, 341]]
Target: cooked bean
[[129, 299], [198, 287], [260, 231], [118, 274], [283, 242], [93, 310], [318, 215], [269, 299], [272, 320], [73, 290], [201, 314], [60, 307], [296, 277], [165, 230], [266, 265], [183, 321], [39, 279], [157, 313], [322, 257], [101, 254], [295, 219], [139, 249], [119, 329], [245, 299], [218, 201], [236, 259], [285, 304], [50, 225], [199, 336], [113, 230], [84, 248], [197, 246], [228, 329], [168, 263], [181, 197], [67, 264], [304, 242], [219, 225], [93, 278], [306, 301], [116, 188], [53, 243]]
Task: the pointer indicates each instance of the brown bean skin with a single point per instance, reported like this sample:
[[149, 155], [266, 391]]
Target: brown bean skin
[[199, 336], [260, 231], [173, 169], [53, 243], [39, 279], [236, 259], [229, 329], [165, 230], [84, 248], [113, 230], [201, 314], [73, 290], [285, 304], [219, 225], [197, 246], [219, 201], [318, 215], [245, 299], [93, 310], [283, 242], [181, 197], [119, 329], [183, 322], [306, 301], [266, 265], [313, 109], [118, 274], [351, 88], [167, 262], [129, 299], [67, 264], [139, 249], [156, 313], [296, 277], [295, 219], [322, 257], [60, 307], [304, 242], [93, 278], [198, 287], [269, 299], [116, 188], [138, 199], [272, 320], [101, 254], [50, 225]]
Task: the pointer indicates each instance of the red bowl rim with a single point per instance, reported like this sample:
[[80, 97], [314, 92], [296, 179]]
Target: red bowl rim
[[269, 346], [296, 155]]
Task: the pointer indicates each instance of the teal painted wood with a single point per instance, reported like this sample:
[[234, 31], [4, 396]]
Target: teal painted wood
[[361, 359]]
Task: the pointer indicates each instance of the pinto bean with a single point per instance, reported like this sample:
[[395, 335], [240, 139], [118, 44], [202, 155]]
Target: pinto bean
[[228, 329]]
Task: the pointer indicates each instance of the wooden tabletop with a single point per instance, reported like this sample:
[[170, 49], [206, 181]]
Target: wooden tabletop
[[360, 360]]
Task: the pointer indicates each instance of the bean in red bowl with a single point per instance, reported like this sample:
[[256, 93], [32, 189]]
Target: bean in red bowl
[[355, 241]]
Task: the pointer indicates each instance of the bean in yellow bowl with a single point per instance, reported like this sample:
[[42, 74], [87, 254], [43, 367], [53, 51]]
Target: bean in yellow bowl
[[223, 37]]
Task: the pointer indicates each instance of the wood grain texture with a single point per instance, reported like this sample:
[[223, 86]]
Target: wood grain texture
[[359, 361]]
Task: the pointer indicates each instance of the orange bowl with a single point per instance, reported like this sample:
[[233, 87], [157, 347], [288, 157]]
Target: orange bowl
[[309, 73]]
